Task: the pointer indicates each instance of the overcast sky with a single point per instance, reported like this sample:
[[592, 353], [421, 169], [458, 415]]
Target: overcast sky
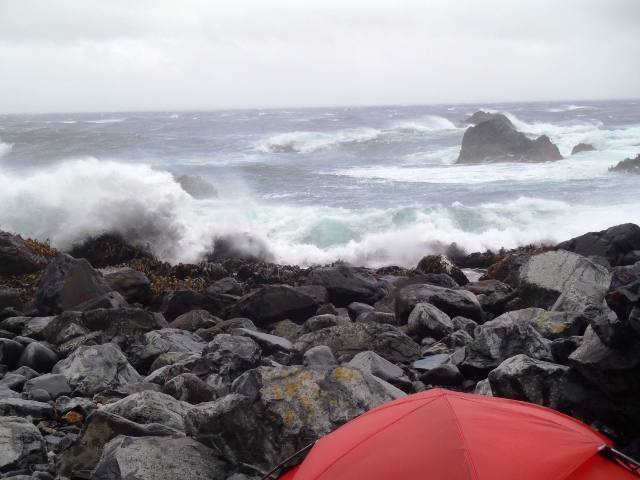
[[111, 55]]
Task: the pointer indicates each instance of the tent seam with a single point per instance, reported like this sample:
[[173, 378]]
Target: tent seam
[[372, 434], [464, 441]]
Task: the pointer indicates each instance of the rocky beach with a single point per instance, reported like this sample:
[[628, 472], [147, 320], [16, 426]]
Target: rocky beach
[[115, 362]]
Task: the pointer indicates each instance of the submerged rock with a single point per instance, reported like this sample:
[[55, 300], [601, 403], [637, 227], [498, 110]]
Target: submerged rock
[[582, 147], [197, 187]]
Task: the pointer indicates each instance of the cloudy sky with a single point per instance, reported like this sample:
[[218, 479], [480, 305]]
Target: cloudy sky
[[112, 55]]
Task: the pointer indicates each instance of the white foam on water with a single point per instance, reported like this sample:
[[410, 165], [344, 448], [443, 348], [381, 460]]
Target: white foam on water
[[306, 142], [107, 120], [429, 123], [5, 148]]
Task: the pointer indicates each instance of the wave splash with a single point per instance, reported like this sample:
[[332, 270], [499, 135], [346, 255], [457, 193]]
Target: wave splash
[[5, 148], [307, 142]]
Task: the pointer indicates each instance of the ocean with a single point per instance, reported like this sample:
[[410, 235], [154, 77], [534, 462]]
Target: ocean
[[372, 186]]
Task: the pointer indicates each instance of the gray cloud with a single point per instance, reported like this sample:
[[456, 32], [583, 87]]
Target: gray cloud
[[96, 55]]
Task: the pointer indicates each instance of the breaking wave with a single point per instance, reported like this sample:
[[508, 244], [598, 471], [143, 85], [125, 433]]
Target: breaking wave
[[5, 148], [306, 142]]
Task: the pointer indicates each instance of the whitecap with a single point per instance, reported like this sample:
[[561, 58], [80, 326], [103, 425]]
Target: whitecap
[[306, 142]]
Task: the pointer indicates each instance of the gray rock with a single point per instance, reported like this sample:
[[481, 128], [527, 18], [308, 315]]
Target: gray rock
[[378, 317], [84, 406], [561, 348], [21, 444], [544, 277], [268, 343], [10, 352], [446, 375], [39, 357], [285, 329], [582, 147], [452, 302], [21, 408], [483, 387], [457, 340], [91, 370], [71, 331], [554, 325], [530, 380], [228, 286], [347, 284], [303, 405], [225, 327], [506, 336], [197, 187], [317, 292], [17, 257], [272, 303], [13, 382], [427, 320], [356, 309], [151, 407], [481, 116], [441, 264], [195, 320], [108, 300], [155, 343], [177, 302], [466, 324], [37, 395], [583, 296], [10, 298], [429, 363], [67, 282], [374, 364], [5, 392], [354, 338], [320, 356], [15, 324], [36, 326], [55, 385], [186, 387], [230, 356], [99, 428], [132, 284], [90, 339]]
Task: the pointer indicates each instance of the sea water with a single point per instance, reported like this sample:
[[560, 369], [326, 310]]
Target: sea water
[[372, 186]]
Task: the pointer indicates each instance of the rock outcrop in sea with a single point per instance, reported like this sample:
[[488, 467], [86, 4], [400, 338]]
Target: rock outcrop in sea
[[138, 369], [629, 165], [582, 147]]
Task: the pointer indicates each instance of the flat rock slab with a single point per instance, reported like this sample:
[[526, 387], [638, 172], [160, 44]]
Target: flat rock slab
[[21, 444]]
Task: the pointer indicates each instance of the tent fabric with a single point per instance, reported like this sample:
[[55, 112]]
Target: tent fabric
[[445, 435]]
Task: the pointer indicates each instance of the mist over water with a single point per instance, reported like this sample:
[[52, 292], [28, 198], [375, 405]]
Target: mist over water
[[372, 186]]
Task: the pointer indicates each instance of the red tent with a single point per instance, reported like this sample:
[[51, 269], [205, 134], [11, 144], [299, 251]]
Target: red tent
[[445, 435]]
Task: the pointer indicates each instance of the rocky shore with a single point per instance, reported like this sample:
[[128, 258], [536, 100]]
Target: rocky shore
[[116, 365]]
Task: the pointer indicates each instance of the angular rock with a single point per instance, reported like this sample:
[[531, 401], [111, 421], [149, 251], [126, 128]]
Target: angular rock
[[88, 340], [506, 269], [354, 338], [457, 340], [17, 257], [67, 282], [132, 284], [195, 320], [320, 356], [582, 147], [151, 407], [54, 385], [177, 302], [507, 336], [561, 348], [272, 303], [530, 380], [377, 366], [36, 327], [269, 344], [554, 325], [356, 309], [429, 363], [483, 387], [442, 264], [348, 284], [378, 317], [99, 428], [466, 324], [83, 406], [13, 382], [227, 286], [10, 352], [317, 292], [155, 343], [21, 444], [496, 141], [91, 370], [428, 321], [452, 302], [39, 357], [186, 387], [108, 300], [225, 327], [582, 296], [628, 165], [21, 408], [543, 278], [446, 375]]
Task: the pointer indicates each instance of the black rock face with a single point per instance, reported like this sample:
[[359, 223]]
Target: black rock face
[[629, 165], [582, 147], [497, 141]]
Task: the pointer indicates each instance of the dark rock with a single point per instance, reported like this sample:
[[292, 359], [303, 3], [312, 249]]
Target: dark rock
[[620, 245], [492, 295], [36, 326], [320, 356], [530, 380], [99, 428], [27, 372], [197, 187], [275, 302], [70, 346], [54, 385], [21, 408], [497, 141], [132, 284], [452, 302], [628, 165], [21, 444], [506, 269], [543, 278], [189, 388], [356, 309], [620, 276], [15, 324], [378, 317], [317, 292], [583, 296], [509, 335], [285, 329], [561, 348], [177, 302], [354, 338], [13, 381], [225, 327], [91, 370], [348, 284], [428, 321], [38, 356], [37, 395], [446, 375], [83, 406], [442, 265], [67, 282], [108, 300], [17, 257], [456, 340], [269, 344], [227, 286], [374, 364], [582, 147], [10, 352], [481, 116], [624, 300], [10, 298], [171, 358], [155, 343], [478, 260], [195, 320], [228, 356], [466, 324]]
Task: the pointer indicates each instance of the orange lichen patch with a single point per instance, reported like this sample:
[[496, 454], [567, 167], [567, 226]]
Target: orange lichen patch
[[344, 375], [74, 418]]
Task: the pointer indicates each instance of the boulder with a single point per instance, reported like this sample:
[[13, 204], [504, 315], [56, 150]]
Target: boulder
[[195, 320], [457, 340], [483, 387], [197, 187], [317, 292], [585, 297], [497, 141], [582, 147], [466, 324], [39, 357], [227, 286], [506, 268], [378, 317], [347, 284], [269, 344], [619, 245], [21, 444], [429, 363], [555, 325], [36, 327], [446, 375], [99, 428], [91, 370], [55, 385], [151, 407], [428, 321], [155, 343], [13, 381], [561, 348], [371, 362], [303, 405], [66, 283], [356, 309], [320, 356], [353, 338], [108, 300], [10, 298], [628, 165], [17, 257], [441, 264], [452, 302], [132, 284], [83, 406], [186, 387], [529, 380], [543, 278], [176, 302], [22, 408], [272, 303], [481, 116], [507, 336], [227, 326], [492, 295], [10, 352]]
